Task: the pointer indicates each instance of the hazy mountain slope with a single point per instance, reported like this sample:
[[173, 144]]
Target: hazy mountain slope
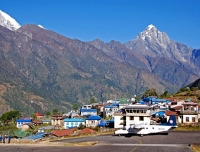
[[118, 51], [46, 71], [171, 72]]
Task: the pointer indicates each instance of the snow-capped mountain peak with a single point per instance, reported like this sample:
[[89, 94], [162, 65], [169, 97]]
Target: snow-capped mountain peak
[[150, 32], [8, 22], [150, 27], [154, 43], [41, 26]]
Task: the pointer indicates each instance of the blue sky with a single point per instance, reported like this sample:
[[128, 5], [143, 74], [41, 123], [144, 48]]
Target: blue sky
[[120, 20]]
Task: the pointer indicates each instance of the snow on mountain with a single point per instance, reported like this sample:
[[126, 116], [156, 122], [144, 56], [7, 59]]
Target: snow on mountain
[[8, 22], [41, 26], [150, 26]]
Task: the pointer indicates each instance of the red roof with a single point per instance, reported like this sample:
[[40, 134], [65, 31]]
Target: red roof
[[65, 132], [172, 99], [169, 113], [87, 131], [39, 114]]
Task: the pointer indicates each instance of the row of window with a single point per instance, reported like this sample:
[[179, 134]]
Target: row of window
[[72, 123], [21, 123], [141, 118], [188, 119], [136, 111], [108, 109]]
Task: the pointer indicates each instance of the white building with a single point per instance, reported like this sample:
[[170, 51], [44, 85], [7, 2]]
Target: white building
[[86, 112], [109, 110], [190, 112], [186, 113], [133, 114], [23, 121], [93, 121]]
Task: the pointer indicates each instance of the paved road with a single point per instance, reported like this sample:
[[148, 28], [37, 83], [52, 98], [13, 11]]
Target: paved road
[[174, 141]]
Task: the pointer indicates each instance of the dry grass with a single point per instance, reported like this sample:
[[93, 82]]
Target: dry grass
[[87, 143], [196, 147], [187, 128]]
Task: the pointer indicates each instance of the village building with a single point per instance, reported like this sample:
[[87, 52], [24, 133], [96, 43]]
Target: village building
[[22, 121], [109, 110], [175, 103], [57, 121], [73, 122], [131, 115], [93, 121], [189, 112], [88, 112], [39, 115]]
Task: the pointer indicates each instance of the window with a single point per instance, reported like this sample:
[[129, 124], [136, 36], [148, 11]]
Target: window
[[67, 123], [76, 123], [72, 123], [131, 117], [187, 119], [193, 119], [141, 118]]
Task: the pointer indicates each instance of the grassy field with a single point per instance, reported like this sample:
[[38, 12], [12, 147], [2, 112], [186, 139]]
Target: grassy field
[[196, 147], [188, 128]]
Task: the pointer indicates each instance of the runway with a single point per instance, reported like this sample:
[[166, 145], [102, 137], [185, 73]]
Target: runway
[[174, 141]]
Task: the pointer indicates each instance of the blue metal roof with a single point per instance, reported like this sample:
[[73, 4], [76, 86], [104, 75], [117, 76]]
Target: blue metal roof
[[94, 118], [149, 99], [158, 100], [115, 104], [109, 106], [74, 120], [24, 120], [88, 110], [103, 123], [34, 137]]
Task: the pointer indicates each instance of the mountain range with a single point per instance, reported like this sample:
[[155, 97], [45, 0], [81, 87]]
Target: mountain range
[[42, 70]]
